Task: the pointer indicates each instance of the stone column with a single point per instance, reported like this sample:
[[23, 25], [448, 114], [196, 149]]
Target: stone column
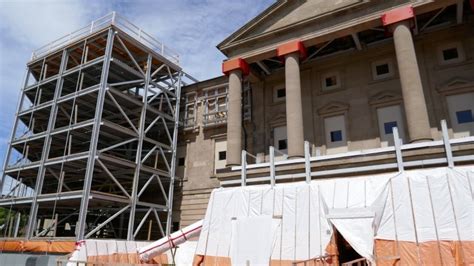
[[234, 118], [235, 69], [294, 109], [414, 102], [292, 52]]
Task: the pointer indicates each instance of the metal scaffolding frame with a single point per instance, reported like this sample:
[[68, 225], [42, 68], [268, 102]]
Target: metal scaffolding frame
[[92, 153]]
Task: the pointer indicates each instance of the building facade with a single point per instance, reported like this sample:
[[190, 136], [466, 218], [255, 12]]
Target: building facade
[[340, 76]]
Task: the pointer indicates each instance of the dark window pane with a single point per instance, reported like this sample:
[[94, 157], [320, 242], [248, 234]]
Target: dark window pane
[[382, 69], [451, 53], [222, 155], [388, 127], [282, 144], [281, 93], [336, 136], [331, 81], [181, 161], [464, 116]]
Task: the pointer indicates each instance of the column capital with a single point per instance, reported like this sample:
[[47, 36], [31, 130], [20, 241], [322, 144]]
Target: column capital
[[292, 47], [235, 64], [405, 13]]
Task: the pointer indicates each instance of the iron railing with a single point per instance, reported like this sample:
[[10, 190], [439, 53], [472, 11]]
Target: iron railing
[[102, 23], [308, 159]]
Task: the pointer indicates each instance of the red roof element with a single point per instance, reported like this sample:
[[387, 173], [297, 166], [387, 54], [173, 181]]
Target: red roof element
[[291, 47], [233, 64], [397, 15]]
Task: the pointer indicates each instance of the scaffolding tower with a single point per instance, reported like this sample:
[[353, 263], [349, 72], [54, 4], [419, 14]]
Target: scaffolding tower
[[93, 146]]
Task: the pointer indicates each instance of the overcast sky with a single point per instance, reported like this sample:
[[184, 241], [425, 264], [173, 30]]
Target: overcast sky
[[193, 28]]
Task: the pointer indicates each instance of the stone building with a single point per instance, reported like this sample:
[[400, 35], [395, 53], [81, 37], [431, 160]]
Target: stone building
[[339, 75]]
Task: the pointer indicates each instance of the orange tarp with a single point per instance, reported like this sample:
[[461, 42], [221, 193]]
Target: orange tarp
[[38, 246], [331, 250], [126, 258], [428, 253]]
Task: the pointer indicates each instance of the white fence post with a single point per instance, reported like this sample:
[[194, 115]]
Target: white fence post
[[244, 169], [307, 162], [447, 144], [272, 166], [398, 150]]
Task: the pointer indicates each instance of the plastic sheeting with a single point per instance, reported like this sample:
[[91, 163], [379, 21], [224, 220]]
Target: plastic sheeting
[[110, 251], [415, 206]]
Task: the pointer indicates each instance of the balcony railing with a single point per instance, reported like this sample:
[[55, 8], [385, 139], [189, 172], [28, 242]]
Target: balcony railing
[[102, 23]]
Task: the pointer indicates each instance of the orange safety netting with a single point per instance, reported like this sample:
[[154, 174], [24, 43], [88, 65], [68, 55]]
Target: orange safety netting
[[38, 246], [390, 252]]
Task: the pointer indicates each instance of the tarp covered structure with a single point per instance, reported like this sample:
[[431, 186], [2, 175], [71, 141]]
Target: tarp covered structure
[[413, 217]]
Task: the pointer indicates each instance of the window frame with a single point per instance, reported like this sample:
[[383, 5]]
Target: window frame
[[386, 61], [276, 88], [458, 46], [326, 75]]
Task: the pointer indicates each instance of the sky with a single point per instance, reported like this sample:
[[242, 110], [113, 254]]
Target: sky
[[193, 28]]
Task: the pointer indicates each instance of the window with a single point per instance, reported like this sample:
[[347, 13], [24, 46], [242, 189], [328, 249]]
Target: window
[[189, 119], [389, 117], [282, 144], [279, 93], [280, 139], [215, 106], [388, 126], [382, 69], [222, 155], [464, 116], [336, 136], [331, 81], [461, 111], [181, 161], [450, 53]]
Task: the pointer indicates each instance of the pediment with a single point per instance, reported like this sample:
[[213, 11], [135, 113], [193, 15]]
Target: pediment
[[286, 14], [454, 82], [333, 107], [278, 119], [385, 97]]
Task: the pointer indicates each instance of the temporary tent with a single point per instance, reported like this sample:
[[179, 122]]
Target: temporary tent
[[417, 216]]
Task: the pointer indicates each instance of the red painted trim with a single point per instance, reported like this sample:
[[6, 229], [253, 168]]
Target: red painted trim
[[292, 47], [472, 5], [397, 15], [234, 64]]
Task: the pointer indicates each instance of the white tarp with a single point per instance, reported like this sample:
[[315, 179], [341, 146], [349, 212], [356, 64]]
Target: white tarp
[[437, 202], [252, 239]]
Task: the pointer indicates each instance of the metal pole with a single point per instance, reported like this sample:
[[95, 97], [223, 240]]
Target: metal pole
[[13, 132], [307, 163], [398, 150], [173, 159], [243, 177], [95, 137], [447, 144], [46, 148], [272, 166], [138, 156]]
